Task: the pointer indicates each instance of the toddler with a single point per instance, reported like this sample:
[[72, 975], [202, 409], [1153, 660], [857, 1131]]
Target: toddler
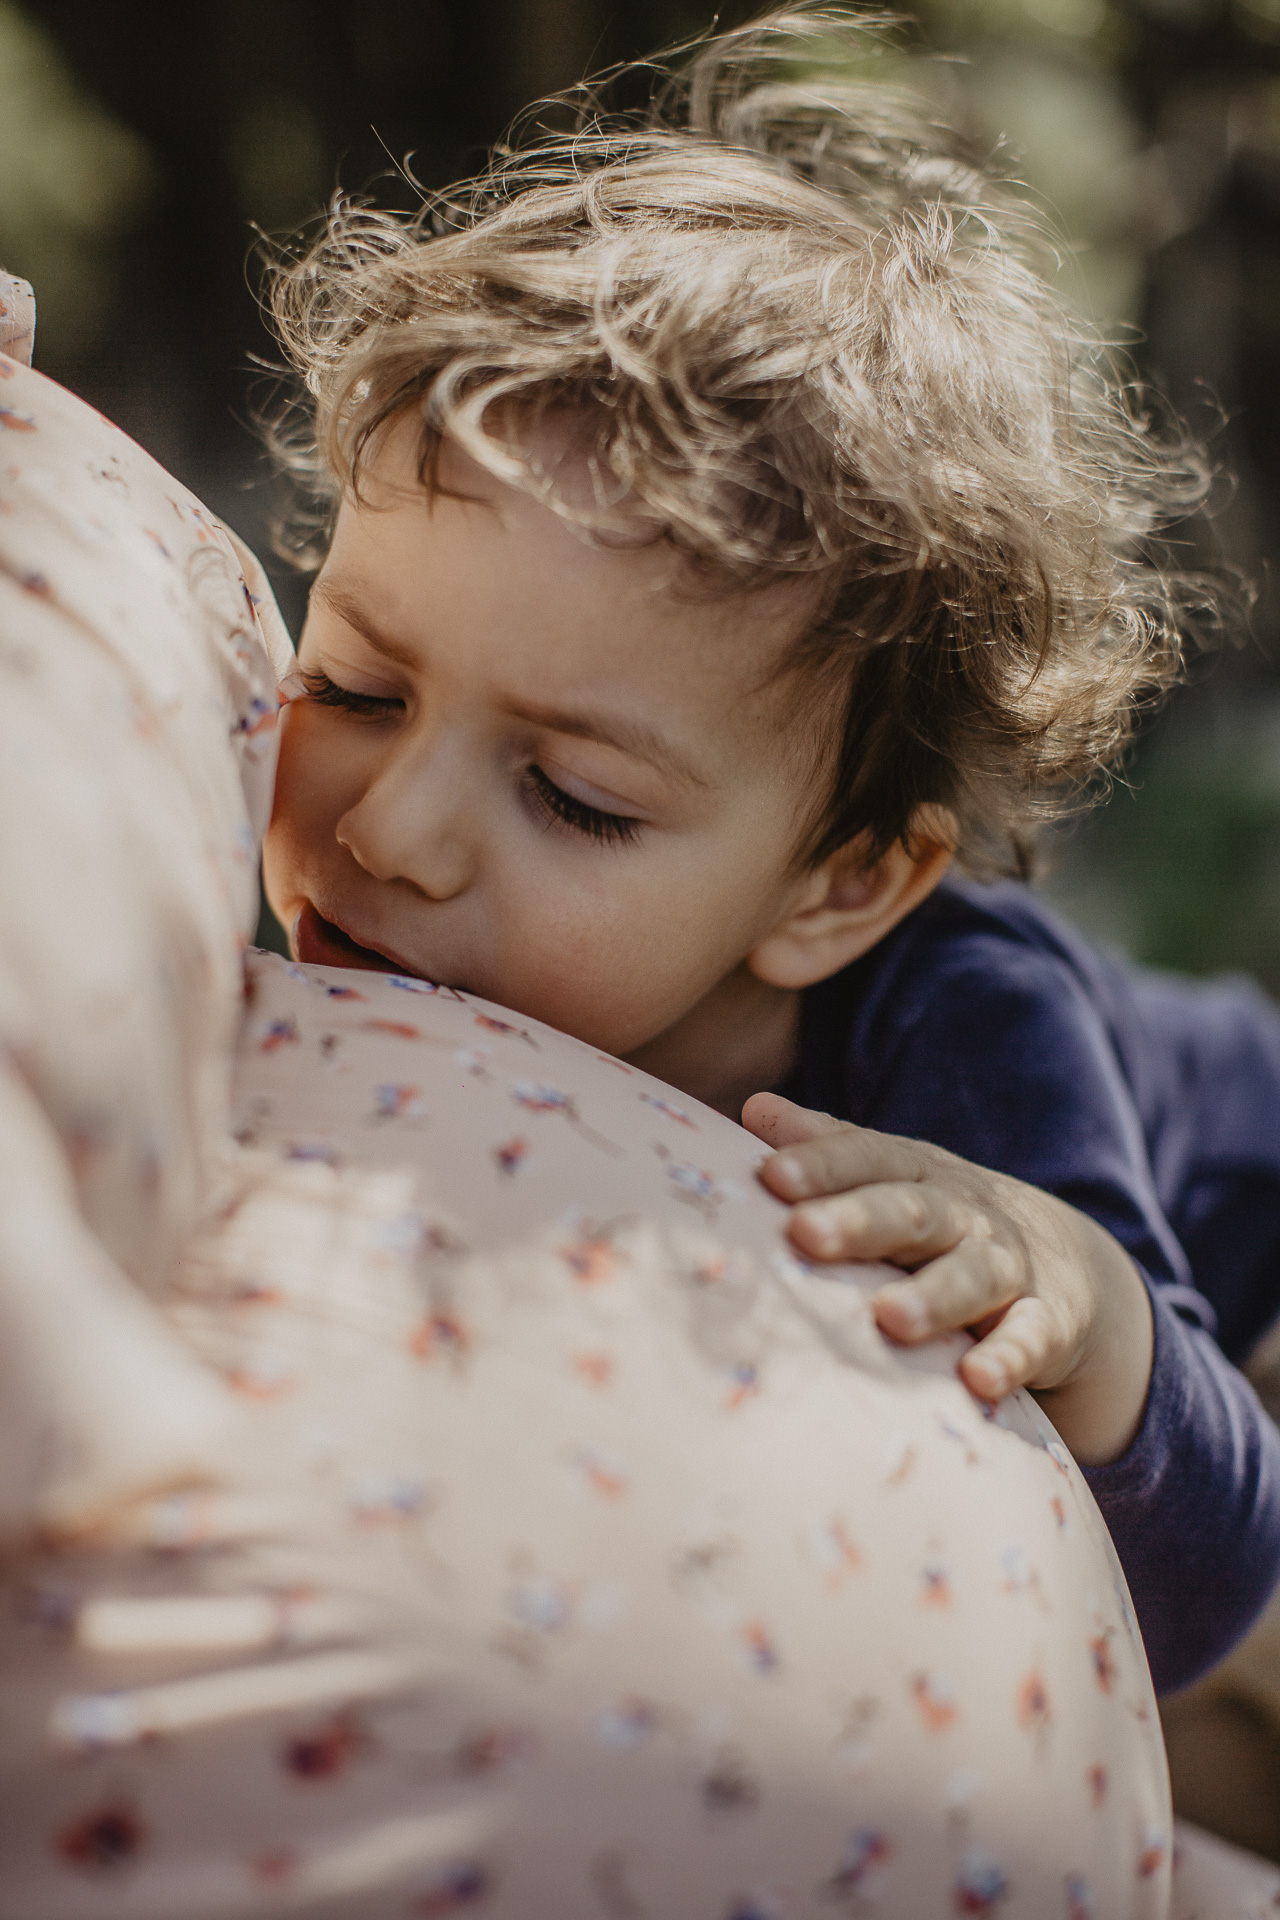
[[725, 533]]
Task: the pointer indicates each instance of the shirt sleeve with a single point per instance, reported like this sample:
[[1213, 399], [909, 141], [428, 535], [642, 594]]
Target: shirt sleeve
[[1194, 1505], [1003, 1058], [1000, 1054]]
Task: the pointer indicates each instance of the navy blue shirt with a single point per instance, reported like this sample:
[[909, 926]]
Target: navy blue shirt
[[984, 1024]]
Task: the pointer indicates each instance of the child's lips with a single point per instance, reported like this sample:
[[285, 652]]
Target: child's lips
[[325, 944]]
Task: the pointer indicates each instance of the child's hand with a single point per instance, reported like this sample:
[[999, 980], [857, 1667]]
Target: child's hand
[[1055, 1303]]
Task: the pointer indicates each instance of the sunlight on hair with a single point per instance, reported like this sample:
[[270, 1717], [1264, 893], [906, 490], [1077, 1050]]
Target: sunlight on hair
[[810, 333]]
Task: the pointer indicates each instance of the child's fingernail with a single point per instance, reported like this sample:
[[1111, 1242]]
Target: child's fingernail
[[910, 1317], [821, 1230], [790, 1175]]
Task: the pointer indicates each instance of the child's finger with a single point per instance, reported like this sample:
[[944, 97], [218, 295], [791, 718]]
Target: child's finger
[[907, 1221], [779, 1122], [842, 1158], [1024, 1350], [968, 1284]]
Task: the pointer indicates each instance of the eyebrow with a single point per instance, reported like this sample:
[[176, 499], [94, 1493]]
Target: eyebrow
[[348, 608], [611, 730]]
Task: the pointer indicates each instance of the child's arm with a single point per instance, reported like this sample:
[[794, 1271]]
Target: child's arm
[[1058, 1305]]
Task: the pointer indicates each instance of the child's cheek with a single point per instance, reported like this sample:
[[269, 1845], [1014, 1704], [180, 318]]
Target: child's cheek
[[614, 978], [310, 798], [318, 777]]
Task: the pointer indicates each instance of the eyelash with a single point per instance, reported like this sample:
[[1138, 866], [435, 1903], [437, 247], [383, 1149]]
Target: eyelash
[[611, 829], [364, 706]]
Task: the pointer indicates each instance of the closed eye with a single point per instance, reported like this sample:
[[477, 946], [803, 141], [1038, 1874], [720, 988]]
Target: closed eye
[[366, 706], [611, 829]]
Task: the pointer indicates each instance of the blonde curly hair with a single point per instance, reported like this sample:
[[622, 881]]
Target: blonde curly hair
[[809, 337]]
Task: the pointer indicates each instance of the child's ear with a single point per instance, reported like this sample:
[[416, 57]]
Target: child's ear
[[845, 906]]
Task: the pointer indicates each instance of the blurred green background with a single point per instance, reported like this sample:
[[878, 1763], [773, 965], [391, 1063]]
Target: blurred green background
[[140, 145]]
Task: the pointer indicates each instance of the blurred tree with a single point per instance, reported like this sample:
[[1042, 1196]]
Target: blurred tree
[[72, 179]]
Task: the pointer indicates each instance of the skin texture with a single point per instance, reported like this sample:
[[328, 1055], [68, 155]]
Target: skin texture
[[472, 671], [1056, 1303], [508, 651]]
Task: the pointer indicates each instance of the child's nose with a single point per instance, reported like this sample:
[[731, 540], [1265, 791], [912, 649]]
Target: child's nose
[[416, 821]]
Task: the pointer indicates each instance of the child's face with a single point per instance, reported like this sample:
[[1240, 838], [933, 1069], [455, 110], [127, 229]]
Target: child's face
[[556, 782]]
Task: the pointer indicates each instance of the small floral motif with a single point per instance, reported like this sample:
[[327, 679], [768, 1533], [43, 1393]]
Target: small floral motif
[[935, 1701], [259, 718], [511, 1155], [596, 1368], [862, 1866], [380, 1498], [541, 1602], [746, 1384], [900, 1456], [957, 1434], [264, 1376], [392, 1101], [440, 1333], [729, 1786], [1080, 1902], [107, 1837], [1033, 1708], [603, 1473], [1152, 1854], [695, 1183], [540, 1097], [275, 1866], [494, 1747], [543, 1099], [980, 1885], [394, 1029], [592, 1261], [277, 1034], [321, 1151], [836, 1551], [761, 1648], [325, 1751], [628, 1724], [452, 1888], [489, 1024], [755, 1906], [1020, 1576], [669, 1108], [51, 1604], [935, 1585]]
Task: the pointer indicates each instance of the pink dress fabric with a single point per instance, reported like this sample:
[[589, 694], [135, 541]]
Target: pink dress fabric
[[548, 1541], [616, 1562], [17, 318]]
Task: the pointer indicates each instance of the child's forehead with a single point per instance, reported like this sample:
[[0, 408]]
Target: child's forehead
[[480, 580], [536, 512]]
